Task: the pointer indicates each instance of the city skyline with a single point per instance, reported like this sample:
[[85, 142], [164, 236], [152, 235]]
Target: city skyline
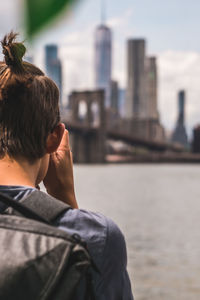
[[170, 29]]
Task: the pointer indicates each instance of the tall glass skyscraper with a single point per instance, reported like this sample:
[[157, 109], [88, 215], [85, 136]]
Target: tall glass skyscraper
[[103, 60], [53, 66], [179, 134]]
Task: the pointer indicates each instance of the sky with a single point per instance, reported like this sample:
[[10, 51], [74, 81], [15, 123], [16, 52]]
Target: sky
[[171, 29]]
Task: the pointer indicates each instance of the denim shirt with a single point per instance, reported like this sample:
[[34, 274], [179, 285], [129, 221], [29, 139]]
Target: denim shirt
[[105, 243]]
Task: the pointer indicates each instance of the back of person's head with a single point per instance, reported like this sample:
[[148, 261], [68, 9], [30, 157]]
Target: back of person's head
[[29, 108]]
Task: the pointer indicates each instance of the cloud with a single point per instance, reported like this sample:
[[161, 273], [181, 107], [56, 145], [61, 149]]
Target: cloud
[[77, 54], [120, 21]]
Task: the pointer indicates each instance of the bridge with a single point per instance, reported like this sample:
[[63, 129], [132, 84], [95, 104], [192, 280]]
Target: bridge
[[88, 125]]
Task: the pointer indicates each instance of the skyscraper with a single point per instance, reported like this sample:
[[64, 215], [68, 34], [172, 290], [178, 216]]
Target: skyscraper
[[179, 134], [135, 105], [196, 139], [53, 66], [151, 92], [114, 96], [103, 58]]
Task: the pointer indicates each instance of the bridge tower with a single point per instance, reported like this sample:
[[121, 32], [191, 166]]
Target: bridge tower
[[88, 114]]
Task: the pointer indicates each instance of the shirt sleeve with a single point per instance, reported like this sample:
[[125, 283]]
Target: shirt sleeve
[[115, 282]]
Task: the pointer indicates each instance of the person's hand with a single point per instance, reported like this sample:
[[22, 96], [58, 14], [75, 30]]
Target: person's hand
[[59, 181]]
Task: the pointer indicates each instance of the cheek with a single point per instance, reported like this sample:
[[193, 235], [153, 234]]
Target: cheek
[[43, 168]]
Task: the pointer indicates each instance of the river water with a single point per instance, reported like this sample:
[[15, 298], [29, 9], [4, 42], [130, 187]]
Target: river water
[[158, 209]]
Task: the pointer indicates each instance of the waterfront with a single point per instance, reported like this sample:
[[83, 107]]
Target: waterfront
[[158, 209]]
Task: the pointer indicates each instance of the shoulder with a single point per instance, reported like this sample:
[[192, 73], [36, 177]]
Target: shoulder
[[106, 245], [100, 232]]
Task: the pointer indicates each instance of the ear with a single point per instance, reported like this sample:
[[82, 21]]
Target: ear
[[54, 138]]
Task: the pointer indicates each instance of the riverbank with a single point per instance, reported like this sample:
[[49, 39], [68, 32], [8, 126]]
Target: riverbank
[[183, 158]]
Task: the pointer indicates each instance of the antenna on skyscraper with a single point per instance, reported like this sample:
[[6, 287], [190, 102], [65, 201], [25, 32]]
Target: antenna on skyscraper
[[103, 11]]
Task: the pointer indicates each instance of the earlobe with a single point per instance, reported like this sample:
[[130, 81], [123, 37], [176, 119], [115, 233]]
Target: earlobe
[[54, 138]]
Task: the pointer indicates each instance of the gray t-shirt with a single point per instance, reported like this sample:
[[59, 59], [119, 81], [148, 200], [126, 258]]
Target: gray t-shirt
[[105, 243]]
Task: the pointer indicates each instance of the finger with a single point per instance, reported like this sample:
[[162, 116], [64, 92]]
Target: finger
[[64, 145]]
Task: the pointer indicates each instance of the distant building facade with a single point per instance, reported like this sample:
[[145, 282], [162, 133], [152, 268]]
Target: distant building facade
[[151, 85], [179, 135], [103, 60], [53, 66], [114, 96], [135, 106], [196, 140], [122, 99], [141, 116]]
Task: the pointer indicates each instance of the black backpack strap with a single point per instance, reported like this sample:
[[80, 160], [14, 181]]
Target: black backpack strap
[[45, 205], [25, 211]]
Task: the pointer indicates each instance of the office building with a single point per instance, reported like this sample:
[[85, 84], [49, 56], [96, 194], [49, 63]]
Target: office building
[[196, 140], [103, 60], [122, 99], [151, 92], [114, 96], [179, 135], [53, 66], [135, 105]]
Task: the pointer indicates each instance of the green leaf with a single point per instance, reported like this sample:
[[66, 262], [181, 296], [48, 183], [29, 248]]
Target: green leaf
[[41, 12]]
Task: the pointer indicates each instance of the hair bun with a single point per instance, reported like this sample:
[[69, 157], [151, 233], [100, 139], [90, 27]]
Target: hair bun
[[13, 51]]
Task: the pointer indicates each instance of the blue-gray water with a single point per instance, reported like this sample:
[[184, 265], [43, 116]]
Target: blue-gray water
[[158, 209]]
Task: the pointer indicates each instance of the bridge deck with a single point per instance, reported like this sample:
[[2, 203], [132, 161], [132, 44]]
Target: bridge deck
[[126, 138]]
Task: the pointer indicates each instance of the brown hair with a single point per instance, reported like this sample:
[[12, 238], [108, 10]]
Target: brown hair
[[29, 100]]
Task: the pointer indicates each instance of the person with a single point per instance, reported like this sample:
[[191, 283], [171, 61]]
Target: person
[[34, 147]]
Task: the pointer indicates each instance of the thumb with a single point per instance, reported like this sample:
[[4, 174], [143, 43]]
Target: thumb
[[64, 145]]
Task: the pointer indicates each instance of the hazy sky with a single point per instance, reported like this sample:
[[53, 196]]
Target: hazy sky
[[170, 27]]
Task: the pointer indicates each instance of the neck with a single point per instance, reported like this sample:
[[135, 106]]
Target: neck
[[18, 172]]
